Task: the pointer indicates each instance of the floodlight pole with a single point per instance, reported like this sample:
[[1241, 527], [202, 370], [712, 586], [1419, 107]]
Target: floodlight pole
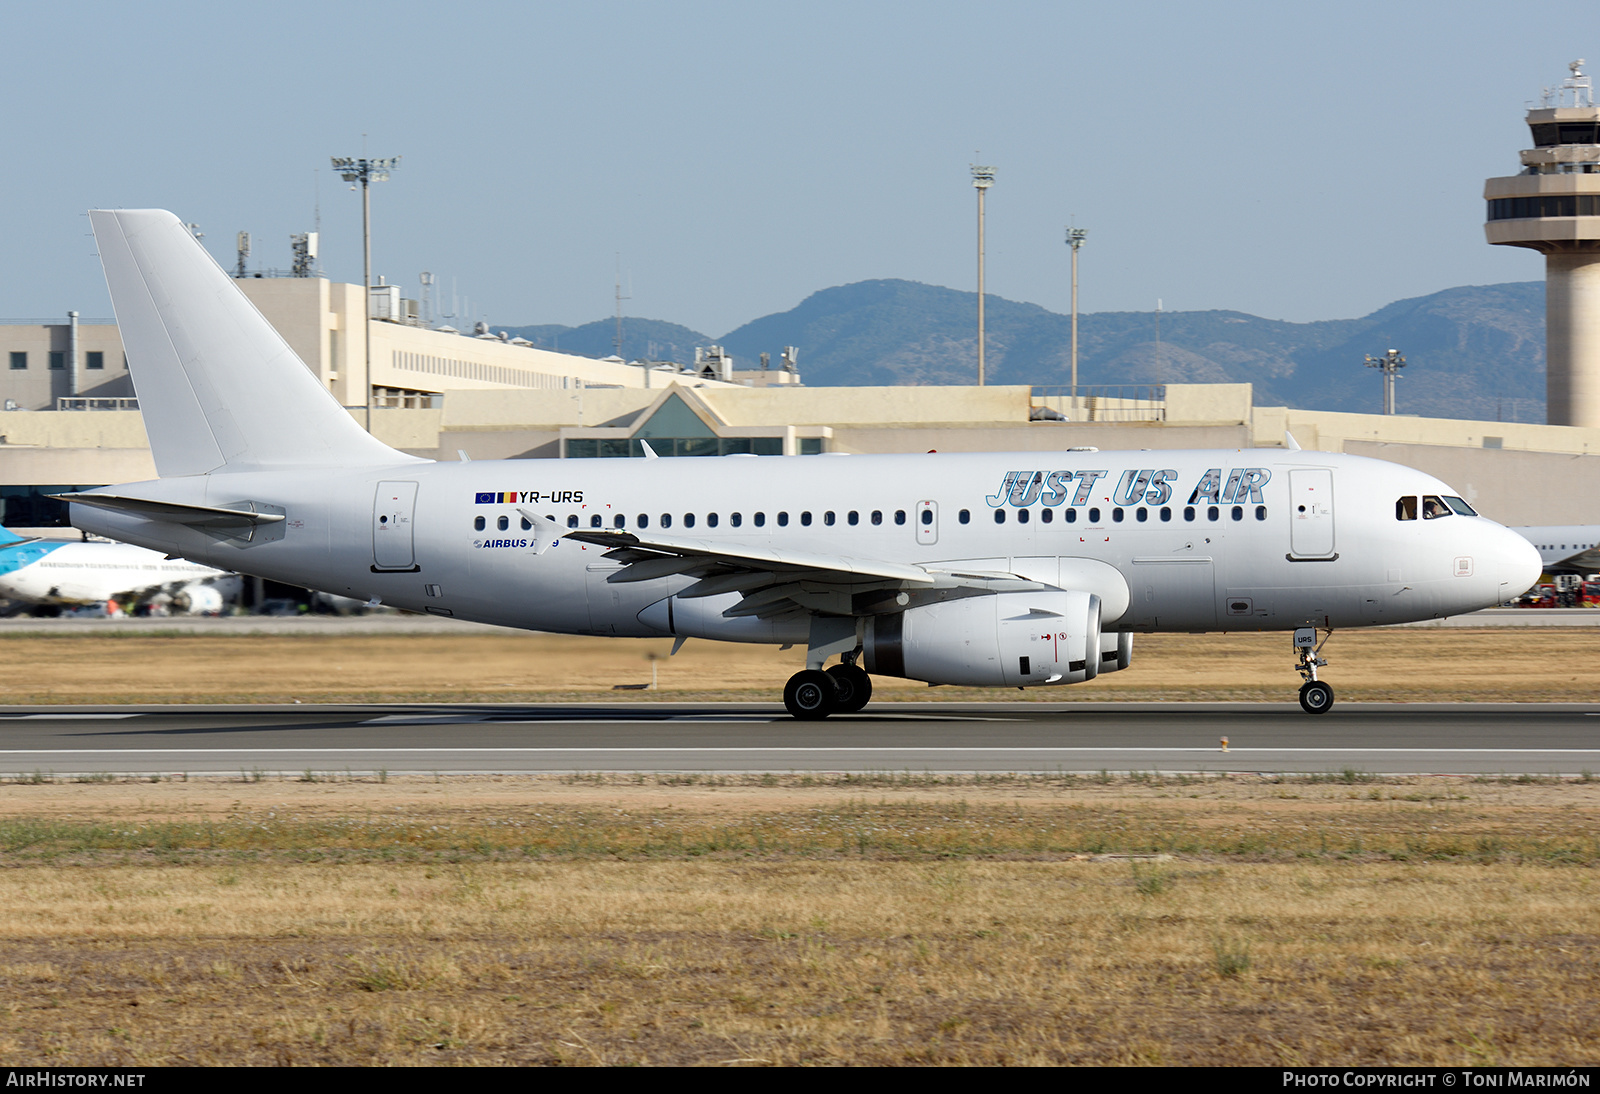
[[366, 171], [1075, 238], [1391, 363], [982, 179]]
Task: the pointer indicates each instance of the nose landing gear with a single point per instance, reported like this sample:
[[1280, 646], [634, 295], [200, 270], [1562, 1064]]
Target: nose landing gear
[[1316, 697]]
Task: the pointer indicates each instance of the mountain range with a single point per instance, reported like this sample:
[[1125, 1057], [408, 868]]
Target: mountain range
[[1471, 352]]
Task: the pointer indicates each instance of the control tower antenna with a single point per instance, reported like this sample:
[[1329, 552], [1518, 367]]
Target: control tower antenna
[[1553, 207], [617, 341]]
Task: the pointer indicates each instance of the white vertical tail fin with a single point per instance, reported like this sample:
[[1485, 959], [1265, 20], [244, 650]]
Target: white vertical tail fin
[[218, 386]]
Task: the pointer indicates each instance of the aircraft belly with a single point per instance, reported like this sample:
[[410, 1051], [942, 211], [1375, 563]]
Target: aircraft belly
[[1171, 594]]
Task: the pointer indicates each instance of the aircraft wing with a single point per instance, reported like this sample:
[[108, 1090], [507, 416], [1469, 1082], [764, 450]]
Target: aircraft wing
[[773, 582]]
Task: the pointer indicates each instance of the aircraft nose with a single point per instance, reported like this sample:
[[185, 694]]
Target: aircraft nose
[[1516, 563]]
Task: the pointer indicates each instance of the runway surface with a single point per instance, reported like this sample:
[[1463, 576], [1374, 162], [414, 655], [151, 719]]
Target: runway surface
[[891, 737]]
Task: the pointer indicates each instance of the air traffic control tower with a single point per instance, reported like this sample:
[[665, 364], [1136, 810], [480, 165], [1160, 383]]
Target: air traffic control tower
[[1553, 206]]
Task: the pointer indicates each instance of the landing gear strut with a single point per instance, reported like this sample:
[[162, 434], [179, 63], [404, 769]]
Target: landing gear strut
[[1316, 697]]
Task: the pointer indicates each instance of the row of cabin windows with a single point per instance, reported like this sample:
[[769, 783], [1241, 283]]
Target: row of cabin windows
[[735, 520], [93, 359], [829, 518], [1433, 507]]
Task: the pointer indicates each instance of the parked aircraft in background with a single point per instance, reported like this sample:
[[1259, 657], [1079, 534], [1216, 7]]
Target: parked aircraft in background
[[70, 572], [1017, 570], [1566, 548]]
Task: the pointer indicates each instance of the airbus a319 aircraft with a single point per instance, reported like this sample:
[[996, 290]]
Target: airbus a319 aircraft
[[1566, 548], [63, 572], [1015, 570]]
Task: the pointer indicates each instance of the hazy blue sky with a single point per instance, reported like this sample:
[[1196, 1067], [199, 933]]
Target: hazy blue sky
[[1294, 160]]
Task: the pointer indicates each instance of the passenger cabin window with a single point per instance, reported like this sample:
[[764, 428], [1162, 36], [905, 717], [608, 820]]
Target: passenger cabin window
[[478, 523], [711, 520], [999, 516], [572, 521], [1434, 507], [899, 516], [596, 521], [688, 520], [503, 523], [736, 519], [620, 521], [965, 516], [1047, 515], [1022, 516], [1212, 513], [1094, 516], [761, 520], [877, 516], [1116, 515], [783, 520], [805, 518], [827, 518], [1405, 509], [854, 518], [527, 525], [927, 516], [1072, 516], [666, 520], [643, 521]]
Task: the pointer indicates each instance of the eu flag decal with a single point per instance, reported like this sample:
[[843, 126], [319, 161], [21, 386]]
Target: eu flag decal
[[485, 499]]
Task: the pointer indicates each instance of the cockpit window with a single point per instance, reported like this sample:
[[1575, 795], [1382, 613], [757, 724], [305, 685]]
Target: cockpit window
[[1405, 509], [1433, 507], [1461, 507]]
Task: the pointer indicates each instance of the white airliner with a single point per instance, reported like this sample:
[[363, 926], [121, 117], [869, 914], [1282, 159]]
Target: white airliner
[[1566, 548], [1016, 570], [65, 572]]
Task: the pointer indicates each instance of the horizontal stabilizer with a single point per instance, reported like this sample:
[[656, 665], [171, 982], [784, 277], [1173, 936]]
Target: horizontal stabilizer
[[196, 516]]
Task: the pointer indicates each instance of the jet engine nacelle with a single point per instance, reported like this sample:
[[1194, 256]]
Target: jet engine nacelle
[[1116, 650], [1005, 640], [207, 597]]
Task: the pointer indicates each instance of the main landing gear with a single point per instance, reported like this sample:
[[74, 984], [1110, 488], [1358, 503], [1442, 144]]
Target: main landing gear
[[1316, 697], [812, 694]]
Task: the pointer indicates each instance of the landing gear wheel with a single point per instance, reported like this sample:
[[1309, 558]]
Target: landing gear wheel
[[809, 695], [1316, 697], [852, 687]]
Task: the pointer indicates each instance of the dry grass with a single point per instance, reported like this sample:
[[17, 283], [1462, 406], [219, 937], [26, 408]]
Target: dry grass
[[785, 920], [1509, 664]]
